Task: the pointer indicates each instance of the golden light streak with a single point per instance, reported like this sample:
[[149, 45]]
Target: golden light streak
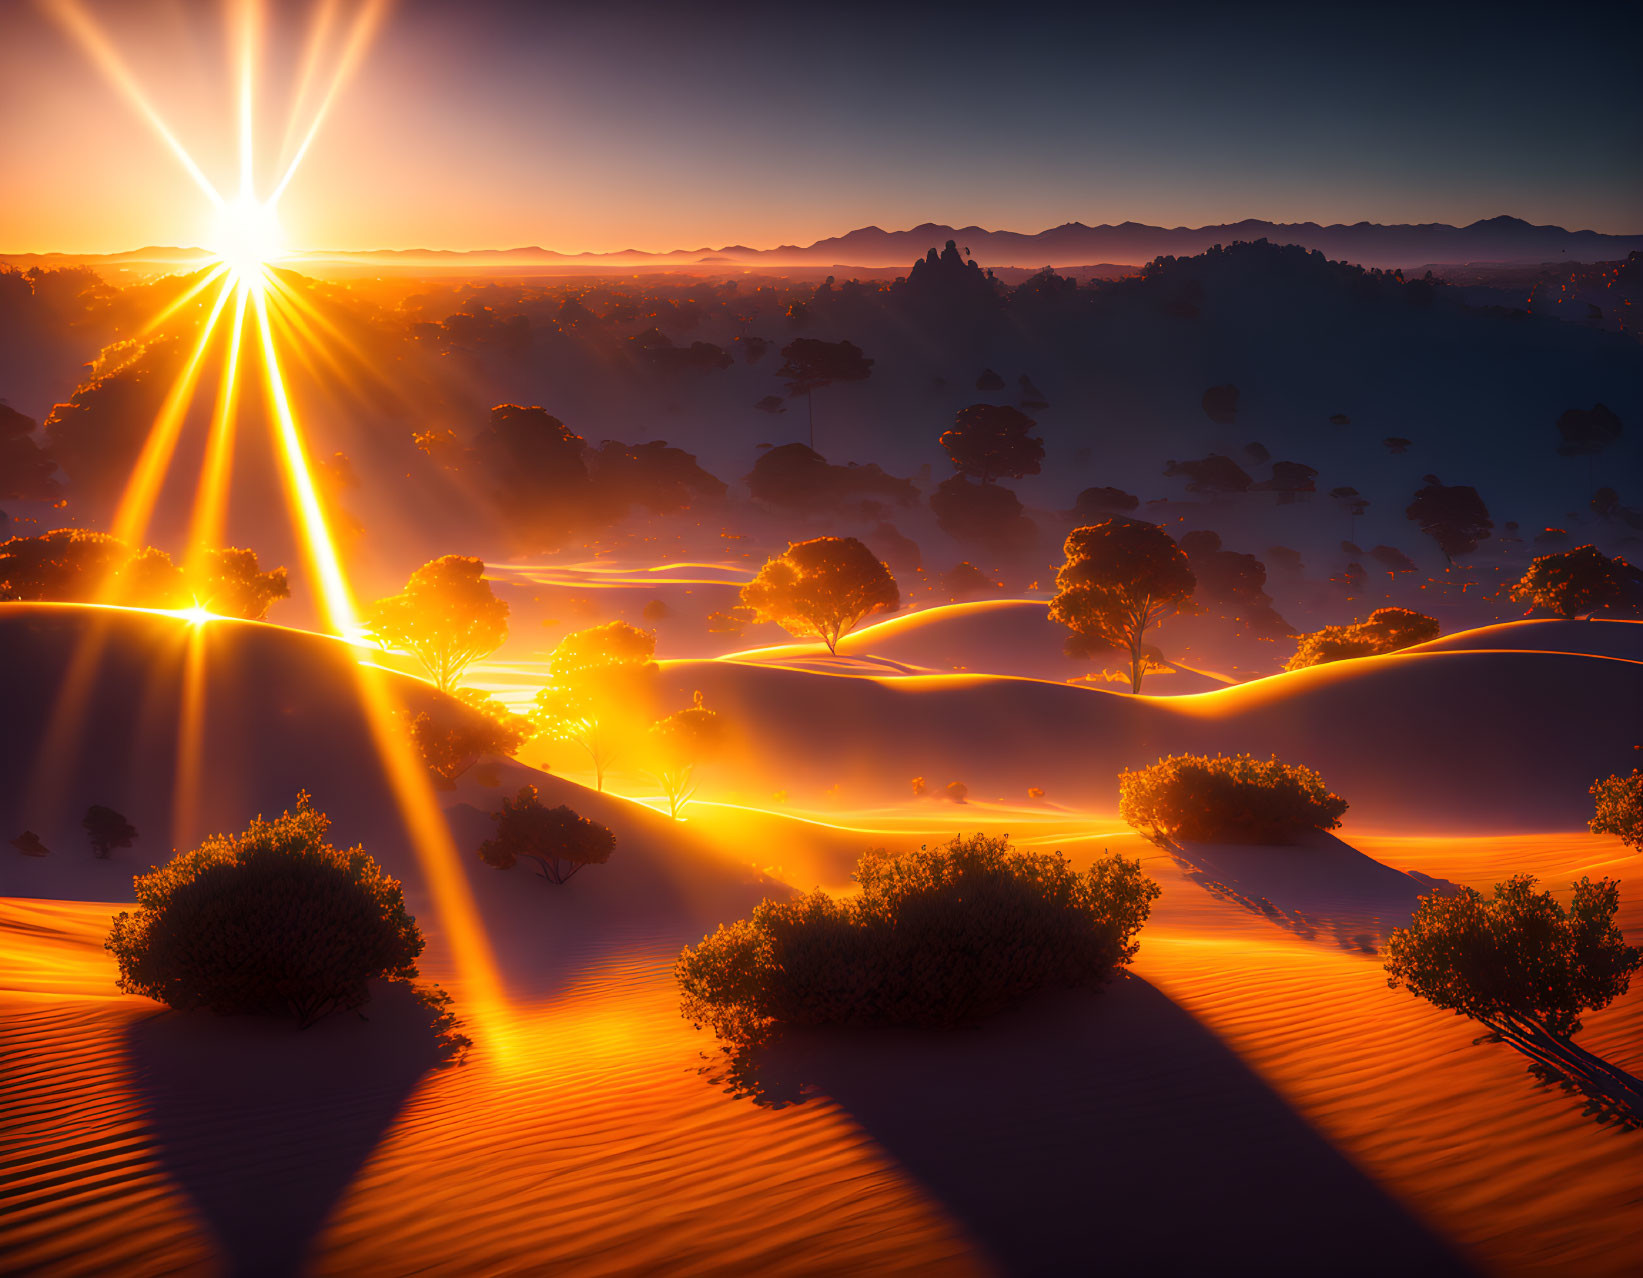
[[247, 227], [336, 599], [76, 22], [359, 36], [137, 504], [311, 55], [205, 281], [211, 501]]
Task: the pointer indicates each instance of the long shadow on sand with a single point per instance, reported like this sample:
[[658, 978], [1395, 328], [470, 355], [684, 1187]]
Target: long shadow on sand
[[264, 1126], [1109, 1132], [1320, 886]]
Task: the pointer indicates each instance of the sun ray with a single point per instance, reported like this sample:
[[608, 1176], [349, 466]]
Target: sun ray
[[336, 600], [90, 37], [313, 52], [137, 505], [160, 318], [211, 500], [366, 22]]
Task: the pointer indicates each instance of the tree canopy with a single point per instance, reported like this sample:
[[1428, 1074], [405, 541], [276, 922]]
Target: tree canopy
[[1579, 582], [825, 586], [1454, 516], [598, 685], [1385, 630], [558, 839], [447, 617], [1121, 576], [993, 441]]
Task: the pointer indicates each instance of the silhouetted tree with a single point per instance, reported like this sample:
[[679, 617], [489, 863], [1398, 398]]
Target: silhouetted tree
[[447, 617], [1121, 576], [1093, 503], [810, 363], [1386, 630], [1454, 516], [825, 586], [1527, 968], [107, 830], [559, 840], [989, 381], [1585, 432], [1579, 582], [992, 441], [598, 681], [1220, 404], [150, 580], [25, 468], [450, 744], [986, 515], [1392, 559], [1289, 480], [29, 844], [536, 467], [656, 476], [1214, 475], [1353, 503], [1396, 444], [793, 477], [1232, 584], [678, 743]]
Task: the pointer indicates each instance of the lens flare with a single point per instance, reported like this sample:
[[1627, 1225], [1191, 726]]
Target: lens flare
[[246, 241]]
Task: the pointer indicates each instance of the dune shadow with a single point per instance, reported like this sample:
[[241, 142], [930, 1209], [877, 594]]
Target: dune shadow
[[1317, 887], [1109, 1132], [264, 1126]]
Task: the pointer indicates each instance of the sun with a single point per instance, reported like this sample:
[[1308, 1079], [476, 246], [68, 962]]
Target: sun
[[247, 237]]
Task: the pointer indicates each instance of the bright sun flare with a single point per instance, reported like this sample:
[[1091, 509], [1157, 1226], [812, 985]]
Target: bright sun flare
[[247, 236]]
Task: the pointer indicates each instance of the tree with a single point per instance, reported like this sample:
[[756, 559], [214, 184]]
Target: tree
[[1584, 432], [107, 830], [1386, 630], [29, 844], [793, 477], [1237, 799], [1120, 578], [451, 744], [1213, 476], [559, 840], [810, 363], [1578, 582], [447, 617], [25, 468], [992, 441], [1454, 516], [1353, 503], [598, 682], [825, 586], [678, 743], [1525, 967], [1220, 404], [1618, 810], [1093, 503], [275, 921], [230, 583], [73, 564]]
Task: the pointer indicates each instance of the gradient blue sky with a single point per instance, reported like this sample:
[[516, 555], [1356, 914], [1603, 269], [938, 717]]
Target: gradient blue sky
[[660, 126]]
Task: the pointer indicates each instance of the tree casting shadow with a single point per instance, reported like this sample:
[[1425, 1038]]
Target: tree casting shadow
[[1108, 1132], [264, 1126]]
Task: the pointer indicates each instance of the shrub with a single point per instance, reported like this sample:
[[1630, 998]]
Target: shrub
[[559, 840], [1227, 799], [1520, 961], [274, 920], [938, 937], [1386, 630], [106, 830], [1618, 811]]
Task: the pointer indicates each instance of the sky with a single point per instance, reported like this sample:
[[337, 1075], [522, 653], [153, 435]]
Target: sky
[[595, 127]]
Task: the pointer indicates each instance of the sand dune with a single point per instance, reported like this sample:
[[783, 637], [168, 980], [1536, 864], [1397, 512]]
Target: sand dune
[[1600, 638], [1253, 1100], [1441, 741]]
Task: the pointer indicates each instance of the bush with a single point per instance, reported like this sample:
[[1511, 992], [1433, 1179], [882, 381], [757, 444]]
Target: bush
[[274, 920], [1227, 799], [1618, 808], [1386, 630], [559, 840], [937, 937]]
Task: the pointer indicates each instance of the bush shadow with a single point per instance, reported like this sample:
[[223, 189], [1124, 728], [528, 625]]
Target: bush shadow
[[1316, 887], [1107, 1131], [264, 1126]]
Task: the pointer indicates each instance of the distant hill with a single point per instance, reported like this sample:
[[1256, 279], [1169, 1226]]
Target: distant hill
[[1496, 240]]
